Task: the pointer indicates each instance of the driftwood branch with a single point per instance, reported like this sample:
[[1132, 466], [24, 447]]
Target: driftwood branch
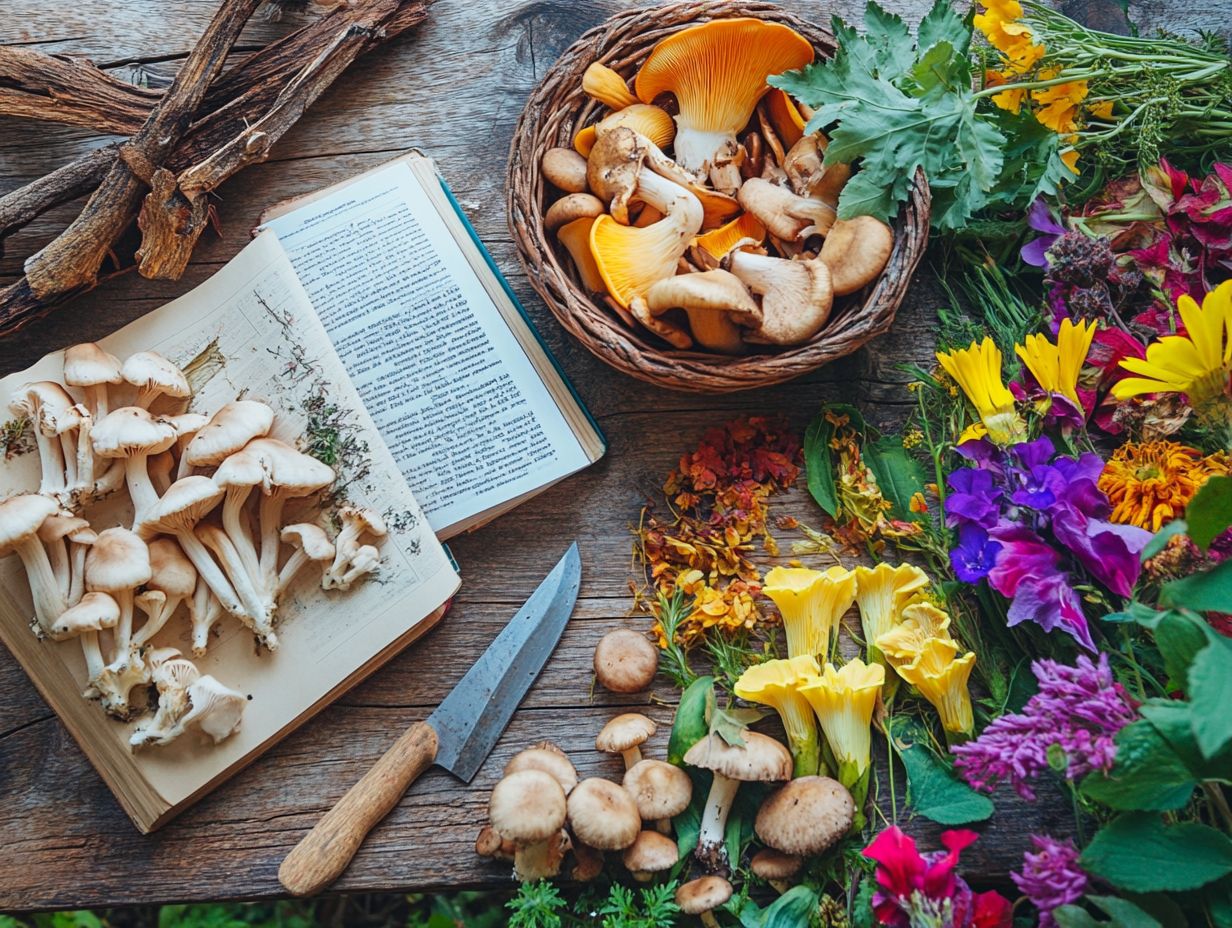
[[61, 185]]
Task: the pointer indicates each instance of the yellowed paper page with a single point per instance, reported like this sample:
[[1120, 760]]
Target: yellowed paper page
[[251, 331]]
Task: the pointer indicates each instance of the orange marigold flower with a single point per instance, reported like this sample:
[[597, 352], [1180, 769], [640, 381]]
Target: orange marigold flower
[[1059, 103], [1150, 483]]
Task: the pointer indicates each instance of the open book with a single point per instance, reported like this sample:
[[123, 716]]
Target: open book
[[323, 316]]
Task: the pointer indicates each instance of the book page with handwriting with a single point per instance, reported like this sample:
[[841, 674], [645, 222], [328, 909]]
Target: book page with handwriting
[[249, 331], [452, 392]]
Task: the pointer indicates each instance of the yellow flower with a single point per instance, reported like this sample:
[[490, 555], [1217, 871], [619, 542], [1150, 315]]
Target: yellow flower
[[977, 369], [1013, 39], [1150, 483], [921, 623], [1070, 159], [811, 602], [1056, 367], [882, 592], [1059, 103], [844, 700], [922, 652], [777, 684], [1197, 364], [1101, 109]]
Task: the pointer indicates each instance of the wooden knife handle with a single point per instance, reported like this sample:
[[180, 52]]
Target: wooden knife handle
[[325, 852]]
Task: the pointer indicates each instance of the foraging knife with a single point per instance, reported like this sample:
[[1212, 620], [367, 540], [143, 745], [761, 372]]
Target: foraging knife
[[457, 736]]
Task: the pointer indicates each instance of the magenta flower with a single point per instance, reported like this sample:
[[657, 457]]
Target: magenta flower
[[1051, 877], [1078, 709]]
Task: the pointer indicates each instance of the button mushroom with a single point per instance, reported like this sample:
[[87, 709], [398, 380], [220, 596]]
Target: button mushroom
[[570, 208], [489, 843], [309, 545], [785, 215], [805, 817], [154, 376], [553, 763], [625, 661], [132, 434], [856, 251], [703, 895], [565, 169], [603, 84], [624, 735], [775, 867], [661, 791], [528, 808], [92, 369], [650, 853], [760, 759], [716, 303], [717, 72], [796, 296], [119, 563], [21, 517], [603, 815]]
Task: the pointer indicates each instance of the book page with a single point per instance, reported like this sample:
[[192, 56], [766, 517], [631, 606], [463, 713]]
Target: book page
[[455, 397], [250, 332]]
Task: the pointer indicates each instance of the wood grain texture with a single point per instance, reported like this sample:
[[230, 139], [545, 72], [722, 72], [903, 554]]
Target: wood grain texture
[[453, 88]]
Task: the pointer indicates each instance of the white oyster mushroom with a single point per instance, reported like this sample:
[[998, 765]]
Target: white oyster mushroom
[[132, 434], [356, 522], [365, 561], [21, 517], [186, 698], [309, 544], [154, 376]]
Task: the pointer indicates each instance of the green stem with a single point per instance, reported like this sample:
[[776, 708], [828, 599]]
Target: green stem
[[1214, 793]]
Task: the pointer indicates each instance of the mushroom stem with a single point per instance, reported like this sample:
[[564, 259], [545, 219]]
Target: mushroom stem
[[711, 846], [77, 573], [110, 479], [631, 755], [155, 621], [57, 556], [49, 604], [85, 456], [68, 452], [236, 527], [270, 516], [204, 611], [51, 463], [123, 633], [295, 563], [258, 616], [96, 400], [140, 487], [93, 655], [212, 574]]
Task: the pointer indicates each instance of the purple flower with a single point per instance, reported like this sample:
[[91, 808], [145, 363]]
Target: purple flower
[[1051, 603], [974, 497], [1040, 487], [982, 453], [1034, 453], [1109, 551], [1051, 877], [1039, 218], [1077, 709], [975, 554]]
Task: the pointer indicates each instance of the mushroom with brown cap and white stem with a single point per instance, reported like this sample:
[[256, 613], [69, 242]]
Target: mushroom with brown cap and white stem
[[154, 376], [132, 434], [258, 609], [356, 523], [661, 791], [624, 735], [309, 545], [806, 816], [651, 853], [118, 564], [51, 413], [93, 369], [570, 208], [603, 815], [186, 503], [565, 169], [528, 808], [796, 296], [186, 698], [291, 475], [553, 763], [856, 251], [173, 576], [489, 843], [717, 72], [702, 896], [786, 215], [84, 621], [625, 661], [775, 867], [55, 533], [716, 302], [760, 759], [601, 83], [21, 517]]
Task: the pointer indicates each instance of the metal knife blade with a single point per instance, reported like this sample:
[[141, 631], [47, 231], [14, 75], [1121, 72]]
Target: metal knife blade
[[472, 717]]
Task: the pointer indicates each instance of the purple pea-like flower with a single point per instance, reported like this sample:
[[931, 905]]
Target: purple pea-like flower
[[975, 554], [974, 497], [1039, 218], [1051, 876]]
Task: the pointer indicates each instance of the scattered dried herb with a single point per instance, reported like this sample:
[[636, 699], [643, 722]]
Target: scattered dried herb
[[15, 437]]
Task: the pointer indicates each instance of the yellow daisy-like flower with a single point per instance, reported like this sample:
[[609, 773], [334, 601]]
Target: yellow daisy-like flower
[[977, 369], [811, 603], [1059, 104], [1056, 367], [882, 592], [843, 700], [1198, 364], [777, 684], [1150, 483]]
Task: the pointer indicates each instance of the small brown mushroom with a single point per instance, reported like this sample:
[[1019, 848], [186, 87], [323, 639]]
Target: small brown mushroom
[[649, 854], [702, 896], [716, 303], [528, 808], [775, 867], [564, 168], [489, 843], [786, 215], [809, 177], [625, 735], [625, 661], [571, 207], [806, 816], [553, 763], [661, 791], [587, 862], [796, 296], [856, 251], [603, 815]]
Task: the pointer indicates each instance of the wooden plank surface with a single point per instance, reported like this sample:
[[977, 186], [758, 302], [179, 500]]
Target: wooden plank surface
[[453, 88]]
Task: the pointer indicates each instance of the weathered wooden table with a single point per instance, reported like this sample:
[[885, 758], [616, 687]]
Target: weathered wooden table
[[453, 88]]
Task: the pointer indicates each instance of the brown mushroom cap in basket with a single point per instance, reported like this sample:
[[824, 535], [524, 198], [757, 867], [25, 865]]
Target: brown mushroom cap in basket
[[559, 108]]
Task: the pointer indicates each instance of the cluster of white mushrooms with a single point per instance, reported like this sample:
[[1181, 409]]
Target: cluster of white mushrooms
[[540, 811], [732, 240], [207, 536]]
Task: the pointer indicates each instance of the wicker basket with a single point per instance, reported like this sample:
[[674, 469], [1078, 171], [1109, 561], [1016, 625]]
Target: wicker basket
[[558, 108]]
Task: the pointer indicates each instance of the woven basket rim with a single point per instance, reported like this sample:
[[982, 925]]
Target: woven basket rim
[[558, 107]]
